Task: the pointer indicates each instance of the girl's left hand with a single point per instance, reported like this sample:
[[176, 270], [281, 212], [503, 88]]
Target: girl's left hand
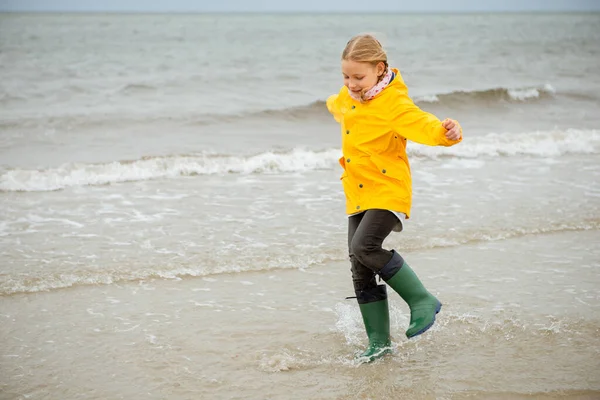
[[454, 132]]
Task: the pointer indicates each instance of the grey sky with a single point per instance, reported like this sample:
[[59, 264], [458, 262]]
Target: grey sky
[[299, 5]]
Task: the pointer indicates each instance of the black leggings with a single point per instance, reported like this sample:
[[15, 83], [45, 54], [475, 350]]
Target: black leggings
[[366, 233]]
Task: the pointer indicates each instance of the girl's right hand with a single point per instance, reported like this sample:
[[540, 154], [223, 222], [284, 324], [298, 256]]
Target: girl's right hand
[[453, 129]]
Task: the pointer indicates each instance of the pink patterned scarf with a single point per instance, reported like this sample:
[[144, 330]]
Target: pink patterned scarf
[[375, 90]]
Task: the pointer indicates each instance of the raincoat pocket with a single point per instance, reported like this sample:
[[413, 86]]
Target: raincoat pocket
[[391, 167]]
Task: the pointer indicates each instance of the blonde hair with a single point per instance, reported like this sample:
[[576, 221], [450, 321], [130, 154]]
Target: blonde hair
[[366, 48]]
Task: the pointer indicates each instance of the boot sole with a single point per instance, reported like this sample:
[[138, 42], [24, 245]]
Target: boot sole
[[437, 310]]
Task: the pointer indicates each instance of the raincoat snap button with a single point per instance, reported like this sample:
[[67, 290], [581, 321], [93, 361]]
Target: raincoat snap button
[[347, 132], [360, 186], [358, 207], [348, 160], [353, 107], [383, 171]]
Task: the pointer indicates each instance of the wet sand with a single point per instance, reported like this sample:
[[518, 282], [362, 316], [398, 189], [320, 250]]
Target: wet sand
[[521, 320]]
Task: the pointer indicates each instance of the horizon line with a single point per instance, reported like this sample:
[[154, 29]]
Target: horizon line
[[380, 12]]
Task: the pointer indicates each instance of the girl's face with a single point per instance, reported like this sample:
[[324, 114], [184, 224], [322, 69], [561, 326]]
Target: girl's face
[[359, 77]]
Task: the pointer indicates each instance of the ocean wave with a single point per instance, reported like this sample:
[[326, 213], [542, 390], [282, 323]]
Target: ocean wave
[[6, 98], [83, 120], [319, 108], [165, 167], [535, 144], [302, 112], [134, 88], [494, 95], [495, 235], [487, 98], [42, 282]]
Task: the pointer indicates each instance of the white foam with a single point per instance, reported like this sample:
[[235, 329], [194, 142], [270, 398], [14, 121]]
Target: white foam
[[537, 144], [349, 322], [348, 317], [523, 94], [4, 231], [516, 94], [165, 167], [427, 99]]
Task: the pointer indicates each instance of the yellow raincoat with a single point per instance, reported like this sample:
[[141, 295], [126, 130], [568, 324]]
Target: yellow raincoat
[[374, 135]]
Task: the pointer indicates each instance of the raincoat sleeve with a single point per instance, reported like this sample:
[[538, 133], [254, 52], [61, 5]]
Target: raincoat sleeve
[[416, 125], [334, 107]]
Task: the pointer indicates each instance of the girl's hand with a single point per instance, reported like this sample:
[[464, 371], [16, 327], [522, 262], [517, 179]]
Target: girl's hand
[[454, 132]]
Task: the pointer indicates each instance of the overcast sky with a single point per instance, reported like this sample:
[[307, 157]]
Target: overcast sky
[[299, 5]]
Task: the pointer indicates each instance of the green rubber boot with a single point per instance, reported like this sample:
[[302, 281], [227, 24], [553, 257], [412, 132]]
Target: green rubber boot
[[423, 305], [376, 317]]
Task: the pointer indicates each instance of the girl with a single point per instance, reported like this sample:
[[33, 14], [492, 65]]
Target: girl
[[377, 117]]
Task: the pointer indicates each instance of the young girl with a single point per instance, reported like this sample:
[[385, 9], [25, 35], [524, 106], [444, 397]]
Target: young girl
[[377, 117]]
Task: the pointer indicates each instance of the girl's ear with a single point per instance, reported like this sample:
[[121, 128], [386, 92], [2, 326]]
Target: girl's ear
[[380, 68]]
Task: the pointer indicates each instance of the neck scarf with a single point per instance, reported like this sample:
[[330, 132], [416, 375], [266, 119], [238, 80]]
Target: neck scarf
[[375, 90]]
